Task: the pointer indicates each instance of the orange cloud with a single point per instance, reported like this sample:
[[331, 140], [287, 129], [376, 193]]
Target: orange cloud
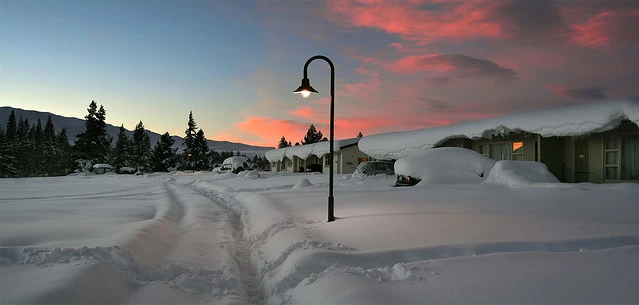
[[458, 65], [420, 21], [607, 28], [303, 111]]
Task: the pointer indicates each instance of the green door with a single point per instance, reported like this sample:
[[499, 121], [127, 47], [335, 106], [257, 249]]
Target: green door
[[582, 160]]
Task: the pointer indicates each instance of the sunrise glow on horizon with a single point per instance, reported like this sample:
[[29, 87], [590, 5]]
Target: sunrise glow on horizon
[[399, 65]]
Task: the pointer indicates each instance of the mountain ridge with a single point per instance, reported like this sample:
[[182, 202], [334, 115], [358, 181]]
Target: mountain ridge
[[75, 126]]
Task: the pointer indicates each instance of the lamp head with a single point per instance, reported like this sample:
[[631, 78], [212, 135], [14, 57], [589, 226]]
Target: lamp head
[[305, 89]]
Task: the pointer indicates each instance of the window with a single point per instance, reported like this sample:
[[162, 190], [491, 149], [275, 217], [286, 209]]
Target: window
[[621, 158], [611, 158], [518, 151], [503, 151]]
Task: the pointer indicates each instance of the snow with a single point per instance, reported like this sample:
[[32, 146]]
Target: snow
[[235, 162], [574, 120], [520, 173], [318, 149], [205, 238], [445, 165]]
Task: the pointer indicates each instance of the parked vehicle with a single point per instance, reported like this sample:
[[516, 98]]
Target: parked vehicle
[[314, 168], [234, 164], [371, 168], [443, 165]]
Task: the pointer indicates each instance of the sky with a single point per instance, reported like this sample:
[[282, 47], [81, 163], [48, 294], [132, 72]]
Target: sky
[[399, 65]]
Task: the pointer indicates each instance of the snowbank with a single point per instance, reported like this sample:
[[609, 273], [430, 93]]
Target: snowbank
[[574, 120]]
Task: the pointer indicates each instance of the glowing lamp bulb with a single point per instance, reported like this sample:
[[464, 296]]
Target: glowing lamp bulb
[[305, 93]]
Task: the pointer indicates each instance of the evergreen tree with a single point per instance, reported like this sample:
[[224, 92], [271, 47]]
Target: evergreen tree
[[12, 126], [49, 131], [312, 136], [164, 156], [201, 152], [122, 152], [283, 143], [189, 142], [141, 148], [63, 154], [94, 143], [7, 160], [22, 149]]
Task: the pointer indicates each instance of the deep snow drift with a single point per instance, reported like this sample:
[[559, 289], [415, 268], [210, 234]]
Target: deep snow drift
[[263, 239]]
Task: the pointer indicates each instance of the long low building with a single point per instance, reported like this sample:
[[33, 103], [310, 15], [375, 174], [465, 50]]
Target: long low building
[[593, 142], [315, 156]]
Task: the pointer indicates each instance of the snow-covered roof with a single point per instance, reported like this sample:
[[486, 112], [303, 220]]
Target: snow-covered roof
[[571, 120], [318, 149], [102, 165]]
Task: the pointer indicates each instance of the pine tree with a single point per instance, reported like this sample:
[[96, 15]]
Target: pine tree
[[22, 149], [189, 142], [283, 143], [122, 152], [164, 157], [63, 154], [12, 126], [141, 148], [201, 152], [94, 143], [7, 160], [312, 136]]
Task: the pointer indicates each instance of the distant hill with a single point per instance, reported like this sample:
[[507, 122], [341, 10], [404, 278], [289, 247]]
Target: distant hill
[[75, 126]]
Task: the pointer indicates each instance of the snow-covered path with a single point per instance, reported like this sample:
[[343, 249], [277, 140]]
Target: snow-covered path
[[238, 239], [151, 241]]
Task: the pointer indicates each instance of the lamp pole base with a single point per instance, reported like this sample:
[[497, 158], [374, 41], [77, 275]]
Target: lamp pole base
[[331, 209]]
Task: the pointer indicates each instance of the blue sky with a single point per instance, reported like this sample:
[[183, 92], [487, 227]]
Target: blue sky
[[399, 64]]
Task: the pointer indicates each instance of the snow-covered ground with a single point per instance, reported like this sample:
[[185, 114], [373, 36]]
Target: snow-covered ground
[[206, 238]]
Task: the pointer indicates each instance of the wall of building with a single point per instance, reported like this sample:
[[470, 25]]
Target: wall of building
[[348, 157], [551, 153], [596, 159]]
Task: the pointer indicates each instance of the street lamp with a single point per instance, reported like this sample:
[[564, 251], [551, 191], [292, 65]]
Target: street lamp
[[305, 90]]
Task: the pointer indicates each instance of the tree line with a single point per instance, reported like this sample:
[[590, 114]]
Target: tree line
[[312, 136], [32, 150]]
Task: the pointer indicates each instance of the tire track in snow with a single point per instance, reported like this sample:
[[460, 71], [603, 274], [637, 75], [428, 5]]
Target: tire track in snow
[[239, 249]]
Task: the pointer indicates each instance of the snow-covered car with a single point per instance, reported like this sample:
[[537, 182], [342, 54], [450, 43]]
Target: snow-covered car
[[234, 164], [371, 168], [102, 168], [443, 165]]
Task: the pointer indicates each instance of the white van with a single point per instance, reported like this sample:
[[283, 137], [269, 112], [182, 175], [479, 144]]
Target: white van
[[234, 164]]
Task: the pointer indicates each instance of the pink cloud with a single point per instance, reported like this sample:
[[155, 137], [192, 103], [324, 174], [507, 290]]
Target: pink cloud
[[303, 111], [588, 93], [420, 21], [606, 29], [457, 65]]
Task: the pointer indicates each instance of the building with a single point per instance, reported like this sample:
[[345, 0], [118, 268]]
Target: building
[[315, 156], [594, 142]]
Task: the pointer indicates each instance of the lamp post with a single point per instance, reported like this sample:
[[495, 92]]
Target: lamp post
[[305, 90]]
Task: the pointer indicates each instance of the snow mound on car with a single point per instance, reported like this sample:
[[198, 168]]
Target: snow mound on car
[[445, 165], [518, 173]]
